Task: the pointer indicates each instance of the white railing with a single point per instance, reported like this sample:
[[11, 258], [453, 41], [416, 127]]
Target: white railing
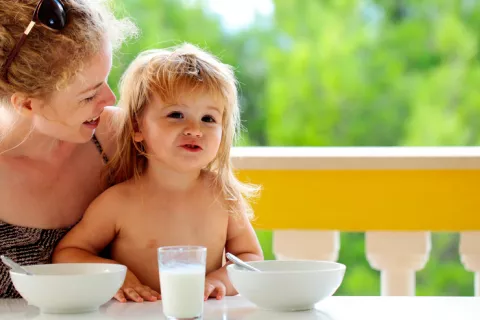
[[398, 253]]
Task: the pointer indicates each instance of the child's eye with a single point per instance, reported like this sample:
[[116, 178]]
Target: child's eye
[[208, 119], [175, 115]]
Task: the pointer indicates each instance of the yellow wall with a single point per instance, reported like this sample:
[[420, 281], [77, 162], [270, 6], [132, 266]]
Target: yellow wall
[[360, 200]]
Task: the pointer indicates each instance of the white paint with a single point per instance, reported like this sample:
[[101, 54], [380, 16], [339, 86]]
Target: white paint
[[338, 158], [470, 255], [398, 255], [306, 244]]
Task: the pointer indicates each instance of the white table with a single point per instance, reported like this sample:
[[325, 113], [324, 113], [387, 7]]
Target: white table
[[237, 308]]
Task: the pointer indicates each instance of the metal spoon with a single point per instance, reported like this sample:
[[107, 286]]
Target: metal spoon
[[14, 266], [240, 263]]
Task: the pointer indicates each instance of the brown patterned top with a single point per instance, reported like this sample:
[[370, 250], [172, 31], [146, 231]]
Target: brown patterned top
[[25, 246], [28, 246]]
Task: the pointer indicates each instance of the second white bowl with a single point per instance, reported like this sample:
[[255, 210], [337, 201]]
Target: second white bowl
[[287, 285]]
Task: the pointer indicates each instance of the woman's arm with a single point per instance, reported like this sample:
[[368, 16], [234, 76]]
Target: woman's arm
[[97, 229], [92, 234]]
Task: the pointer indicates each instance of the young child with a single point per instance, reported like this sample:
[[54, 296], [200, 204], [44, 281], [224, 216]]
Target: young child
[[173, 178]]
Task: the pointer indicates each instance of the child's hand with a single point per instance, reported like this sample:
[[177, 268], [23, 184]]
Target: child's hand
[[214, 287], [134, 290]]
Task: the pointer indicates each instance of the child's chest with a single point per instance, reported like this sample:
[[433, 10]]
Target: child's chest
[[201, 223], [187, 228], [177, 220]]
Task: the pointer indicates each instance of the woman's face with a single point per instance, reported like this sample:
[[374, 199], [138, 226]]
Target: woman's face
[[73, 113]]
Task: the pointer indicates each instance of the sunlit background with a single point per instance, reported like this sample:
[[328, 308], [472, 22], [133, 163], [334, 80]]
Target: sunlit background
[[339, 73]]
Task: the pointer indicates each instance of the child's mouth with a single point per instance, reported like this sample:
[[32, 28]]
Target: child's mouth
[[192, 147]]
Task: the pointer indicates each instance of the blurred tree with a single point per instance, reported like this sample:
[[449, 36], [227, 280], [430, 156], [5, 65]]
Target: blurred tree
[[343, 73]]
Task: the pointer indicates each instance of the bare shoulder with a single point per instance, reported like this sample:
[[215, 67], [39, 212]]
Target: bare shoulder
[[115, 200], [107, 129]]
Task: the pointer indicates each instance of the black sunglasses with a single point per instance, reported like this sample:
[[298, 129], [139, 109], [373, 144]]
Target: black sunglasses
[[51, 14]]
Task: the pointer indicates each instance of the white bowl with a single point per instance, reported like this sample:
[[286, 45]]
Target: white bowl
[[69, 287], [287, 285]]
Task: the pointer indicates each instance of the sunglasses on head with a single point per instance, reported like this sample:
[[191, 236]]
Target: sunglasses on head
[[49, 13]]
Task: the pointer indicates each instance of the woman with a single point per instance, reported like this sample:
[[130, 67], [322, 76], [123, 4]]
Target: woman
[[54, 138]]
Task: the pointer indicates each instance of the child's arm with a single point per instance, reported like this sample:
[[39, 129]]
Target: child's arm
[[93, 233], [242, 242]]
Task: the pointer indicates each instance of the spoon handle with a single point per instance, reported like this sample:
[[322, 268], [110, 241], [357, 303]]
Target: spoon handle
[[13, 265], [239, 262]]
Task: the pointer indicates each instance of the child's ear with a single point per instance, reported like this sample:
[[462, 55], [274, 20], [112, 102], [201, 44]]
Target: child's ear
[[138, 136]]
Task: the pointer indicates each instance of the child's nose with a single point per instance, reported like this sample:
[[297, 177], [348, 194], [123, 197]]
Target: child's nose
[[193, 129]]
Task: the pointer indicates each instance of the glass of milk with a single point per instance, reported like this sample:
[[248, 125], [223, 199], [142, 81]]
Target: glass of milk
[[182, 281]]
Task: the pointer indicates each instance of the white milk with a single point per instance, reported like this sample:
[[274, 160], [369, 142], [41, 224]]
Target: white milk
[[182, 289]]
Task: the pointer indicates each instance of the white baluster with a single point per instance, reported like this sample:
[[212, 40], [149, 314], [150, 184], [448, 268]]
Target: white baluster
[[306, 244], [470, 255], [398, 255]]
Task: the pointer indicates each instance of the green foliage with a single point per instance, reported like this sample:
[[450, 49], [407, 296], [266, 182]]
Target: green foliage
[[343, 73]]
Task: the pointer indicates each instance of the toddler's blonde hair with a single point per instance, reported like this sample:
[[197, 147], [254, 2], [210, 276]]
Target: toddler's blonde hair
[[168, 73]]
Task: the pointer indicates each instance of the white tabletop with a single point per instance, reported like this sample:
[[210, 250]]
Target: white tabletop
[[237, 308]]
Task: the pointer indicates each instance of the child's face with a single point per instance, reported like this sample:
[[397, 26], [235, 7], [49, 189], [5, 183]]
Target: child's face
[[184, 136]]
